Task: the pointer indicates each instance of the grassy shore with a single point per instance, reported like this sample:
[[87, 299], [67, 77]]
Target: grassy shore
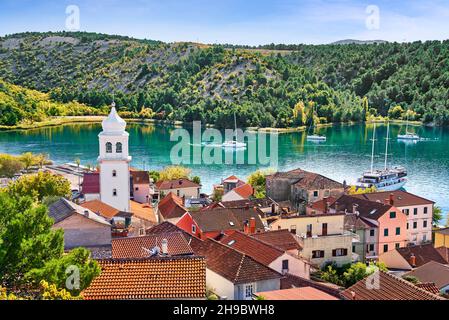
[[57, 121]]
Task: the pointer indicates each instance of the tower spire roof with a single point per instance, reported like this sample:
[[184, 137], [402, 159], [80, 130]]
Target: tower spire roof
[[113, 123]]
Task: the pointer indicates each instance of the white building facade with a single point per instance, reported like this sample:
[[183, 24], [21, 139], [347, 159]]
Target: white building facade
[[114, 162]]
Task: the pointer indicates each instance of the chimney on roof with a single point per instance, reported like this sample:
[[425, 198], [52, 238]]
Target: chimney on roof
[[353, 295], [387, 201], [391, 199], [164, 247], [413, 260], [86, 213], [246, 226], [252, 225]]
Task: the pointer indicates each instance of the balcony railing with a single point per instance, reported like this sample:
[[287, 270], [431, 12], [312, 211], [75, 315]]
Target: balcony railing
[[302, 238]]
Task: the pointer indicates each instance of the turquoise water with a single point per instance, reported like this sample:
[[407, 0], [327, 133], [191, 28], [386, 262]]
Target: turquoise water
[[344, 156]]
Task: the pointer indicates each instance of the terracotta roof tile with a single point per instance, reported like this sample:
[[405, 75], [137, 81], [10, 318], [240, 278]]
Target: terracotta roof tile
[[140, 177], [176, 184], [307, 180], [171, 207], [401, 198], [444, 252], [134, 247], [164, 227], [423, 254], [220, 219], [282, 239], [161, 278], [432, 272], [260, 203], [245, 190], [429, 286], [321, 204], [387, 287], [143, 211], [303, 293], [256, 249], [292, 281], [367, 209], [101, 208], [232, 264]]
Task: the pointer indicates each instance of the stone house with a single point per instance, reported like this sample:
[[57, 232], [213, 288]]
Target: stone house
[[301, 187], [82, 227]]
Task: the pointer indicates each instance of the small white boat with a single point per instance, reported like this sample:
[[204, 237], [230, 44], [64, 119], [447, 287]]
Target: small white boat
[[234, 144], [316, 138], [408, 136]]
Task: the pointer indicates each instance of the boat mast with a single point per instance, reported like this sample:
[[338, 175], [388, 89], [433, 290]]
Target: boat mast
[[406, 126], [372, 149], [235, 128], [386, 144]]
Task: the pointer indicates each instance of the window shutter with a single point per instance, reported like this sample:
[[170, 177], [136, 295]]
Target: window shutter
[[345, 252], [334, 253]]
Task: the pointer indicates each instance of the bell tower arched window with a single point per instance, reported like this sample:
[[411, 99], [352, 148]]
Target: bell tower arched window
[[118, 147], [114, 173], [108, 147], [114, 192]]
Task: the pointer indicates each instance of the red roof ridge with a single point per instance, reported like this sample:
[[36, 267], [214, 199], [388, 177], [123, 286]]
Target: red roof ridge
[[244, 255], [398, 279]]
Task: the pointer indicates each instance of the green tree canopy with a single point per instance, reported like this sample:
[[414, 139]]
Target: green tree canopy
[[40, 185]]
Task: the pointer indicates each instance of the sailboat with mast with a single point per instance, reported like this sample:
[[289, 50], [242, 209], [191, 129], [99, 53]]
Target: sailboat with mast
[[234, 144], [314, 137], [386, 179], [408, 136]]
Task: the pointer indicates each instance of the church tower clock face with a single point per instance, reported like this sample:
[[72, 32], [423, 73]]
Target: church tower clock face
[[114, 162]]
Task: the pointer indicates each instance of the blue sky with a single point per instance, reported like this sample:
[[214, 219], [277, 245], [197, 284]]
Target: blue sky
[[250, 22]]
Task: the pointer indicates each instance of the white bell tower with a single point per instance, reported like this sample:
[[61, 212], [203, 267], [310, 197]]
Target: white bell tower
[[114, 162]]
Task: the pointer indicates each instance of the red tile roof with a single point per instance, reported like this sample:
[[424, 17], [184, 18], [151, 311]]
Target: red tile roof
[[384, 286], [221, 219], [401, 198], [367, 209], [245, 190], [321, 204], [101, 208], [139, 279], [176, 184], [143, 211], [232, 264], [444, 252], [432, 271], [91, 183], [171, 207], [140, 177], [423, 254], [292, 281], [307, 180], [282, 239], [233, 179], [256, 249], [304, 293], [165, 227], [429, 286], [137, 247]]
